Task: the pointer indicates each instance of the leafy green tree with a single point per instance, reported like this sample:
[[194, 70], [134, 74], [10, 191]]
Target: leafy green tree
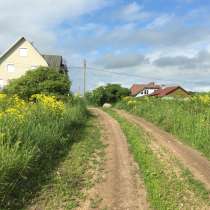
[[42, 80], [110, 93]]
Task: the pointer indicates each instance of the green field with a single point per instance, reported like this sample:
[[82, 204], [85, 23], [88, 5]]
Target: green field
[[189, 120]]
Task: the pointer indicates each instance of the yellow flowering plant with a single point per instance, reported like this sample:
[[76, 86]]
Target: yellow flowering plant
[[12, 107], [127, 98], [2, 96], [131, 102], [204, 99], [50, 102]]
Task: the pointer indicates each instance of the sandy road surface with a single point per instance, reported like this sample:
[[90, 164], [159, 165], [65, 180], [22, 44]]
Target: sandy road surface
[[192, 159], [122, 187]]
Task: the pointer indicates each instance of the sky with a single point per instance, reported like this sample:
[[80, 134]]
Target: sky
[[123, 41]]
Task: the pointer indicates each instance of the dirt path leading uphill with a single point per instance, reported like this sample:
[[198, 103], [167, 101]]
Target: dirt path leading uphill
[[121, 188], [192, 159]]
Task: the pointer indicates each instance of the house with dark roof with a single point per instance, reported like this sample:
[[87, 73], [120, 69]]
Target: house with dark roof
[[56, 61], [21, 57], [140, 90]]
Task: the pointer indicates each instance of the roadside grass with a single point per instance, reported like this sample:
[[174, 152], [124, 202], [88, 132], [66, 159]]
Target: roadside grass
[[34, 138], [189, 120], [74, 176], [165, 189]]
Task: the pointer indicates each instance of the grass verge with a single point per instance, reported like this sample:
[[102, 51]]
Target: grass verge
[[189, 120], [166, 190], [75, 174], [34, 138]]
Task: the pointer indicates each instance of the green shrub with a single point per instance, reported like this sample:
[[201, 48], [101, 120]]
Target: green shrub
[[110, 93], [42, 80]]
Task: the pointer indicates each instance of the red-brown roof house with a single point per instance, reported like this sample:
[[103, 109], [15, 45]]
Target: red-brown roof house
[[175, 91], [139, 90]]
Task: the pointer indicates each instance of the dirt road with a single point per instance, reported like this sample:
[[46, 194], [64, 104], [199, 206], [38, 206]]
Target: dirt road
[[122, 188], [192, 159]]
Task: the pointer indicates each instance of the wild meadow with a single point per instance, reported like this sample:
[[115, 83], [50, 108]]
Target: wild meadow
[[188, 119], [34, 135]]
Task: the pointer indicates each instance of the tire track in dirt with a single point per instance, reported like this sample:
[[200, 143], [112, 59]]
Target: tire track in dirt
[[122, 187], [192, 159]]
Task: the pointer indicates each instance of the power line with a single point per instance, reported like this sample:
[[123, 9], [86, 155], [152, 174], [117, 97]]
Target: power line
[[120, 73], [106, 71]]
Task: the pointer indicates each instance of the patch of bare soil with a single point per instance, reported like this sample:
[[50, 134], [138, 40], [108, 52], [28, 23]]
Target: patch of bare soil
[[192, 159], [121, 187]]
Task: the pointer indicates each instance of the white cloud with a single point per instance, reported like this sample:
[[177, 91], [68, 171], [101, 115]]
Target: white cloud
[[200, 61], [121, 60], [132, 12], [39, 19], [159, 37], [160, 21]]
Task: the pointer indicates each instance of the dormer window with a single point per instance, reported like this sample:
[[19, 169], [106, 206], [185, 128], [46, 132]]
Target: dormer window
[[23, 52]]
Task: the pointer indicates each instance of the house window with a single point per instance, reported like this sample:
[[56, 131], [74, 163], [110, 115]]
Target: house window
[[34, 67], [23, 52], [2, 84], [10, 68]]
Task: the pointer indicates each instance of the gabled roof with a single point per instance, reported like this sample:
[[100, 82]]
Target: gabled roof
[[166, 91], [137, 88], [22, 39], [54, 61], [19, 41]]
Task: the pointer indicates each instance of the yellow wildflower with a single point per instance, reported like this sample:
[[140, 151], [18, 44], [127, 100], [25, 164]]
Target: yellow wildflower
[[49, 101], [15, 113], [2, 96], [205, 99], [131, 102], [127, 98], [18, 103]]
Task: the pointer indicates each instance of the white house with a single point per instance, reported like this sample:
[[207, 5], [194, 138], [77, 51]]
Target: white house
[[21, 57], [139, 90]]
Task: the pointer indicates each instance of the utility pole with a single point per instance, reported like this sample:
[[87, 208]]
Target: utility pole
[[85, 71]]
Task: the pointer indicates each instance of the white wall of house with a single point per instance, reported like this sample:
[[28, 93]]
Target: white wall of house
[[146, 91], [18, 60], [3, 83]]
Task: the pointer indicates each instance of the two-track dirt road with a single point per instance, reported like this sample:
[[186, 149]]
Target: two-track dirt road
[[122, 188], [191, 159]]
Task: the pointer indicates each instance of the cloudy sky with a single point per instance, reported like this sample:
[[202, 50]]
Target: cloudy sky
[[124, 41]]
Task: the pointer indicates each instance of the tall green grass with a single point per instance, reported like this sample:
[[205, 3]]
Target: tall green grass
[[31, 148], [74, 175], [187, 119]]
